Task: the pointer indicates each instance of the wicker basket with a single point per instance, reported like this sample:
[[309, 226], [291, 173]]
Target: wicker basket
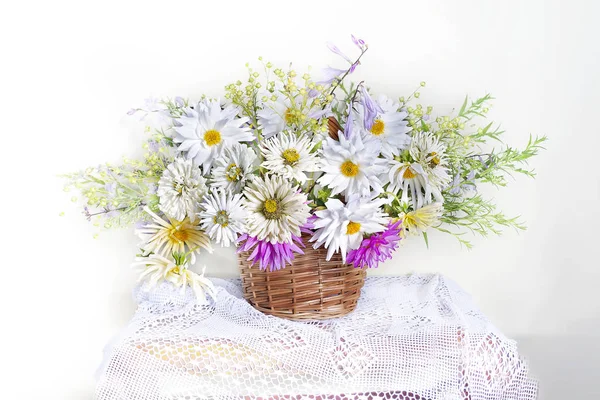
[[310, 288]]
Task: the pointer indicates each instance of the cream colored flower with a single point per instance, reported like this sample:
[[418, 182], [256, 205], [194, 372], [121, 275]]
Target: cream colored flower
[[417, 221], [169, 236], [156, 268], [276, 209]]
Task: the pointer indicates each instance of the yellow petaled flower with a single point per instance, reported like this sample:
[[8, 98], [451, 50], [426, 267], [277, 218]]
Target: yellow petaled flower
[[421, 219], [168, 236]]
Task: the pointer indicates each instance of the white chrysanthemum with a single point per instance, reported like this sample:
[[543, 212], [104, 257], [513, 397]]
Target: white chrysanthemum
[[351, 166], [181, 189], [428, 151], [201, 132], [417, 221], [412, 180], [223, 217], [390, 128], [235, 165], [156, 268], [342, 227], [168, 236], [276, 115], [289, 156], [276, 209]]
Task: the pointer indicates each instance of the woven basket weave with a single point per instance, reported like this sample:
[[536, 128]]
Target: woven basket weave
[[310, 288]]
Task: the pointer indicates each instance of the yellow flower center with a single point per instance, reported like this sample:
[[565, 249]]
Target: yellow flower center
[[222, 218], [378, 127], [212, 137], [271, 209], [409, 173], [180, 235], [290, 156], [409, 221], [290, 116], [435, 159], [349, 169], [233, 173], [176, 270], [353, 227], [178, 187]]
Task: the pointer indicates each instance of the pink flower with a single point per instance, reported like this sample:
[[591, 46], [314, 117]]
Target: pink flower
[[376, 248], [273, 256]]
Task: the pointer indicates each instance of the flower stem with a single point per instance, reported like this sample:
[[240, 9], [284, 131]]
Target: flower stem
[[354, 64]]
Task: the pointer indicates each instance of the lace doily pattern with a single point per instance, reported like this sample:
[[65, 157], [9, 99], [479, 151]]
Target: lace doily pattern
[[415, 337]]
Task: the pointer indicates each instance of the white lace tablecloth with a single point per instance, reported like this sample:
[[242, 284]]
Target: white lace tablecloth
[[413, 337]]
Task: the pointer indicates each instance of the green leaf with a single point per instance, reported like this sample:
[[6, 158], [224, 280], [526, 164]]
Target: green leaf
[[324, 194], [426, 239], [464, 106]]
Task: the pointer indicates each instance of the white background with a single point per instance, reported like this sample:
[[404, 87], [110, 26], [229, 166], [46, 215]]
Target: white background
[[71, 70]]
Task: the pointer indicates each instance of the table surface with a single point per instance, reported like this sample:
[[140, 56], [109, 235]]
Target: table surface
[[410, 337]]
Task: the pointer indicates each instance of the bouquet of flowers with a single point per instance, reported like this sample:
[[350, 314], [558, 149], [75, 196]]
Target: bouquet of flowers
[[285, 162]]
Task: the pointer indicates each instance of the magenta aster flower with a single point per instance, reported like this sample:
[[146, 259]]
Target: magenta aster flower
[[273, 256], [376, 248]]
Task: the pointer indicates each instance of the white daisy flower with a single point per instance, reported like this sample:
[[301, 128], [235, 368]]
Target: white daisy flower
[[181, 189], [352, 166], [389, 128], [274, 116], [223, 217], [276, 209], [342, 227], [411, 179], [431, 154], [156, 268], [283, 113], [289, 156], [168, 236], [202, 131], [233, 168]]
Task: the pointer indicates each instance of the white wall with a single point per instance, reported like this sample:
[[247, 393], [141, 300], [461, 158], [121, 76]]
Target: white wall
[[71, 70]]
